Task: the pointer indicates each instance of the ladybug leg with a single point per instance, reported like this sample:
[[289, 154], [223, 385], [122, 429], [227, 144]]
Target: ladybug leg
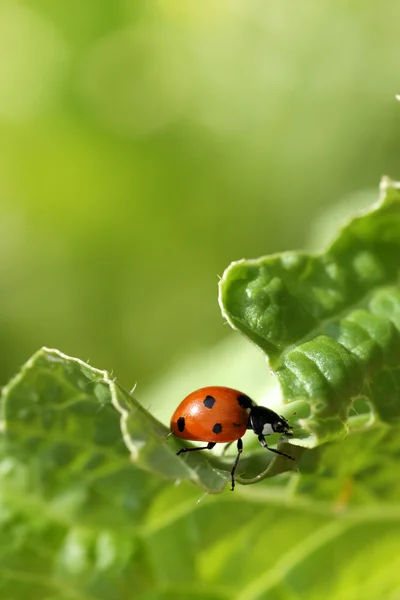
[[235, 464], [262, 441], [209, 446]]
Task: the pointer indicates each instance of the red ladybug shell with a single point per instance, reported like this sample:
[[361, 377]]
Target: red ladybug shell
[[212, 414]]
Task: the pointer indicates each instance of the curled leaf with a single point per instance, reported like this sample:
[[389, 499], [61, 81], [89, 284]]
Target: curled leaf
[[329, 323]]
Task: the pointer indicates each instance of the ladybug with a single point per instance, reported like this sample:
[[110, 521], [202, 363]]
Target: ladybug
[[220, 414]]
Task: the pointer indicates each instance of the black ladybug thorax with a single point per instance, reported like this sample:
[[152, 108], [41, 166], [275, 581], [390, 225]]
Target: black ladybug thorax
[[261, 417]]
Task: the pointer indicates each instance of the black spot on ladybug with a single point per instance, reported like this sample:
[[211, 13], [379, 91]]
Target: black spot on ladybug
[[217, 428], [181, 424], [209, 401], [237, 424], [244, 401]]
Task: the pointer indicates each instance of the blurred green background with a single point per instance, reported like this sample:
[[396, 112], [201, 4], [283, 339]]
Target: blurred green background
[[146, 144]]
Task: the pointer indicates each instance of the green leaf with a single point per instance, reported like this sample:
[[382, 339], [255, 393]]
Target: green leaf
[[78, 423], [75, 513], [68, 493], [75, 420], [329, 323], [62, 437]]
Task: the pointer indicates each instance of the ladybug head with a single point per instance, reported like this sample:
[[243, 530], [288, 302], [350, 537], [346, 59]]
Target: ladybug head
[[282, 426], [264, 421]]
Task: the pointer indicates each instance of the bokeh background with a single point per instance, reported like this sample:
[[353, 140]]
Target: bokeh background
[[144, 145]]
